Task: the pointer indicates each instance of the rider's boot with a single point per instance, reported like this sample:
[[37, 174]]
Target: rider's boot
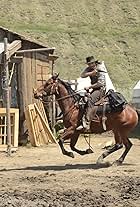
[[84, 125]]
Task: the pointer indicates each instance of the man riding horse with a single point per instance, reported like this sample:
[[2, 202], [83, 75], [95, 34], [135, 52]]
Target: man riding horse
[[121, 121], [96, 90]]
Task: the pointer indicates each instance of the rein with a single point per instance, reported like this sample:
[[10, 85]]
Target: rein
[[62, 98]]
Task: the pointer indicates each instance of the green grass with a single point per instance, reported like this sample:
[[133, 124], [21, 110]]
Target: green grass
[[109, 30]]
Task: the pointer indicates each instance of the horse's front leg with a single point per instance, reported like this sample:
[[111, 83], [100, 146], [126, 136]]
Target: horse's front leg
[[66, 135], [73, 142]]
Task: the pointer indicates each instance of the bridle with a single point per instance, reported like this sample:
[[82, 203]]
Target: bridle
[[54, 90]]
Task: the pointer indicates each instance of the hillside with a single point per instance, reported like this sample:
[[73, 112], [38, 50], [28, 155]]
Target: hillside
[[109, 30]]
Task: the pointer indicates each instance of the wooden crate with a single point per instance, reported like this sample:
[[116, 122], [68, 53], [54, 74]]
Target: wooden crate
[[14, 114]]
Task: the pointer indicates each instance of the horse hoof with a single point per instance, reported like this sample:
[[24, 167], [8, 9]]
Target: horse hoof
[[70, 154], [89, 151], [117, 163], [103, 164], [99, 161]]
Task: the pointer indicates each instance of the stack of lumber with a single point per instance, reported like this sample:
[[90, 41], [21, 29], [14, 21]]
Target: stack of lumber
[[39, 131]]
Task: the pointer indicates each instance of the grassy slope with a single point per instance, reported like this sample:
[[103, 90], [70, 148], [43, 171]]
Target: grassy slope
[[107, 29]]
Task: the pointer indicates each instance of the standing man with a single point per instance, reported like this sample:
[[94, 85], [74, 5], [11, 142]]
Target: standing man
[[98, 86]]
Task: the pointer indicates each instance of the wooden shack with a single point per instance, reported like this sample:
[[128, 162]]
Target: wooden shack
[[29, 67]]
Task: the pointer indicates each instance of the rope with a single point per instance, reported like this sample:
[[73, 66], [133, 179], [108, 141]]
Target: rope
[[88, 142]]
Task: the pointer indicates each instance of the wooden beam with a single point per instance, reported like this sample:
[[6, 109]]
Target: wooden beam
[[7, 95], [13, 47], [53, 57], [16, 59], [49, 50]]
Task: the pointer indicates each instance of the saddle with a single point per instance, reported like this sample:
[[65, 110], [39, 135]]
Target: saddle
[[112, 102]]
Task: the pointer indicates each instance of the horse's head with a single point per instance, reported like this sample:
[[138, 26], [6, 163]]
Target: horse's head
[[49, 88]]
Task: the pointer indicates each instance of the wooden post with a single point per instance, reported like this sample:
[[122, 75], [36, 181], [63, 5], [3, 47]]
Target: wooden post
[[53, 120], [7, 96], [53, 105]]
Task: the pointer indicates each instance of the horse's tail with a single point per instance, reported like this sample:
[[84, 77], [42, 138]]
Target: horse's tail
[[138, 112]]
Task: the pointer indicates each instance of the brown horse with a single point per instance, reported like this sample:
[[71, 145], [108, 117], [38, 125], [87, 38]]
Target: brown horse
[[121, 123]]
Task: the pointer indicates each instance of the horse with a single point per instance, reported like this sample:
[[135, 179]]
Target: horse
[[121, 123]]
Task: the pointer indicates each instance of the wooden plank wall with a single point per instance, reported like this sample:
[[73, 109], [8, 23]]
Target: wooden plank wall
[[31, 73]]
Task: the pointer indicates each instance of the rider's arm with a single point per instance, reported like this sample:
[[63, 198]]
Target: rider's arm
[[87, 73]]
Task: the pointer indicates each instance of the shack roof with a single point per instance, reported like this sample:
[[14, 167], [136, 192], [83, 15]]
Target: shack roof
[[21, 37], [27, 43]]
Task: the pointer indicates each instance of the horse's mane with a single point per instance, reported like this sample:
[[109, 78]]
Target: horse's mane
[[71, 92]]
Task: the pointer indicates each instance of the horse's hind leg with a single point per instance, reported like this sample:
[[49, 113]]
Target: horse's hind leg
[[118, 145], [73, 143], [128, 144]]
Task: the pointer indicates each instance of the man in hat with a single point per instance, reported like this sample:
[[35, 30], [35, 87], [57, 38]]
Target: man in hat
[[97, 88]]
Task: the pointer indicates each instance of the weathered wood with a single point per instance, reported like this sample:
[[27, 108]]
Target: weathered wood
[[7, 95], [16, 59], [24, 75], [37, 134], [11, 75], [29, 82], [46, 126], [42, 110], [14, 117], [34, 75], [49, 50], [38, 138], [13, 47], [30, 125], [41, 57], [42, 70], [16, 127], [22, 97], [52, 57]]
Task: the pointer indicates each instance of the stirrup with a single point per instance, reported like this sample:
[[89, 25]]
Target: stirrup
[[86, 126], [80, 127]]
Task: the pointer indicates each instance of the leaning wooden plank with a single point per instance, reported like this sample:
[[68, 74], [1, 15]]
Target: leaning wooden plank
[[46, 126], [30, 126], [35, 125], [37, 133], [39, 129], [44, 139], [45, 135], [42, 110]]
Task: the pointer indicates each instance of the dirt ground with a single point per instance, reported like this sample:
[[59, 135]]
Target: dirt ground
[[44, 177]]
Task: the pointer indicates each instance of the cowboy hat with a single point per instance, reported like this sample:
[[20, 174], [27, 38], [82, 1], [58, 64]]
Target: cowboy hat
[[90, 59]]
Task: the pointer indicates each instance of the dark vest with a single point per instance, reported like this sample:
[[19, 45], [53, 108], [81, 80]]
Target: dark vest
[[95, 78]]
